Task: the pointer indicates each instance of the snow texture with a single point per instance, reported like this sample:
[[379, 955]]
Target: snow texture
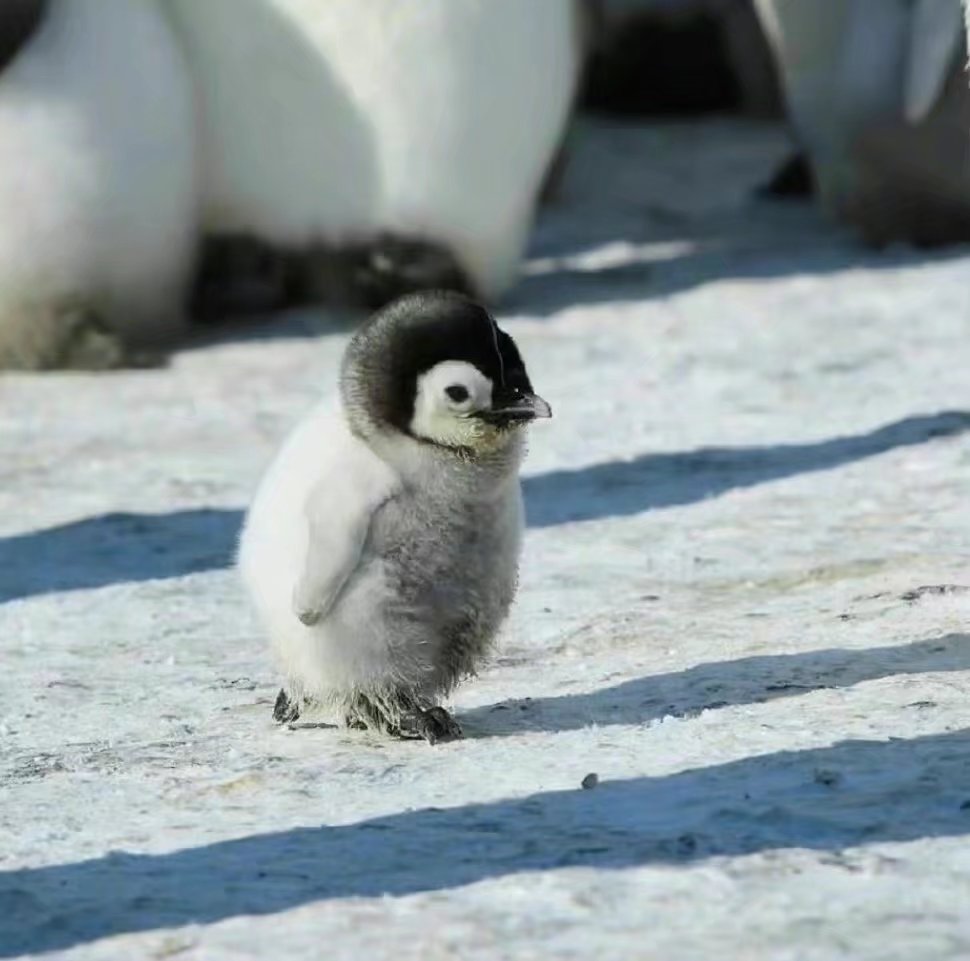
[[744, 606]]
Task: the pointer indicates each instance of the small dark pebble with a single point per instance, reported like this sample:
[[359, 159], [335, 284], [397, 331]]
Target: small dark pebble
[[590, 781], [827, 777], [686, 844]]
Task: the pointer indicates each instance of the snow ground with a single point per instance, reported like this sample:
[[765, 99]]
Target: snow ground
[[758, 462]]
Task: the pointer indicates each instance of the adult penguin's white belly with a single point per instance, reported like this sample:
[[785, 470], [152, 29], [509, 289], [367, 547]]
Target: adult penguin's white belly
[[874, 90], [426, 119], [97, 180]]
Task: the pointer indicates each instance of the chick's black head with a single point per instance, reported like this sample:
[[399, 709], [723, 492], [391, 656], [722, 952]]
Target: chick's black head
[[391, 354]]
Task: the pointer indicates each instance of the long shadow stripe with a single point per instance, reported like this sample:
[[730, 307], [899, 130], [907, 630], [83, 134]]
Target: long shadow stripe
[[872, 792]]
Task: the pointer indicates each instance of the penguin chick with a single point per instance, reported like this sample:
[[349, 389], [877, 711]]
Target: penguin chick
[[381, 550]]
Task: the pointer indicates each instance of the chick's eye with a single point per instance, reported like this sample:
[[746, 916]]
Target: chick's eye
[[457, 393]]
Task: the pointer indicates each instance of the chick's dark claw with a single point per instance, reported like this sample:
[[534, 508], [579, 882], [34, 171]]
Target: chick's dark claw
[[364, 714], [434, 725], [285, 711]]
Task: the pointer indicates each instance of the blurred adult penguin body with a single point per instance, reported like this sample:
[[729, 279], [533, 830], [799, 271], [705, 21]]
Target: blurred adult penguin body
[[874, 94], [97, 181], [413, 134]]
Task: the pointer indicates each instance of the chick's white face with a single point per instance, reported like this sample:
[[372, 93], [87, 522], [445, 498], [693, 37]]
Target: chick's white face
[[446, 398]]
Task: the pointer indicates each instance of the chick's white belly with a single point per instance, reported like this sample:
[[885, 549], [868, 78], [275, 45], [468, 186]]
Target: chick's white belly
[[394, 618], [356, 646], [378, 637], [352, 648]]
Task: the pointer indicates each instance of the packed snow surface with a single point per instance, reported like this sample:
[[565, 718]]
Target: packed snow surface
[[744, 606]]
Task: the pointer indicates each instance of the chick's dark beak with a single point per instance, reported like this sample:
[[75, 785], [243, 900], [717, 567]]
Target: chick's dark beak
[[510, 406]]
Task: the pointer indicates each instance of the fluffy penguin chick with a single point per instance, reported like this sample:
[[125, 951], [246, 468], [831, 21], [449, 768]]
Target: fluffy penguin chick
[[381, 550]]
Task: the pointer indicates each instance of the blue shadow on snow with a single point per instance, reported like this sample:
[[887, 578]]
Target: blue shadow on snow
[[122, 548], [824, 799], [703, 687]]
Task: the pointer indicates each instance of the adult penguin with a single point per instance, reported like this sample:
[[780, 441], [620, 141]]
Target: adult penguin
[[381, 146], [97, 181], [876, 96]]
